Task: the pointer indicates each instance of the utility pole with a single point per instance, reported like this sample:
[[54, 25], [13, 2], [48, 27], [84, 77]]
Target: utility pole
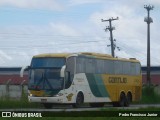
[[114, 46], [110, 28], [148, 20]]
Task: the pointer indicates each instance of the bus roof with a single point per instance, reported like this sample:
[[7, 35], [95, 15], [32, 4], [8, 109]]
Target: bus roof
[[106, 56], [87, 54], [64, 55]]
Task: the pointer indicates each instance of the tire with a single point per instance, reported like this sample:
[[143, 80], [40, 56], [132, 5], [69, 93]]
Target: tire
[[128, 99], [96, 104], [79, 100], [48, 105], [122, 100]]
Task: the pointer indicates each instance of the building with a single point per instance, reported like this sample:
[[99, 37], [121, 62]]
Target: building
[[155, 75], [11, 75], [11, 84]]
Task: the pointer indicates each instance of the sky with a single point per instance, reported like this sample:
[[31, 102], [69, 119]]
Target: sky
[[31, 27]]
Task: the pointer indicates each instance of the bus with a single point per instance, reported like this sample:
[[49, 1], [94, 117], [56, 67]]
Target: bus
[[77, 78]]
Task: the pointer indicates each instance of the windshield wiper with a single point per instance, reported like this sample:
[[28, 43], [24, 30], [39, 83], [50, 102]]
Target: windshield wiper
[[39, 82], [48, 83]]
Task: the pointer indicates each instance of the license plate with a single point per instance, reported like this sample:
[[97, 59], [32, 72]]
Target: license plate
[[43, 100]]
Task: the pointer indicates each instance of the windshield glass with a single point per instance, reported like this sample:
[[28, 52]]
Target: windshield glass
[[47, 62], [45, 74], [45, 79]]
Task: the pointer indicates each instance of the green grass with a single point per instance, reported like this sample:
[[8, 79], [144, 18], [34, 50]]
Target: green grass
[[22, 103], [149, 96], [86, 118]]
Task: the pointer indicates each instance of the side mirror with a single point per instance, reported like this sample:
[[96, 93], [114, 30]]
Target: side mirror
[[23, 69], [62, 72]]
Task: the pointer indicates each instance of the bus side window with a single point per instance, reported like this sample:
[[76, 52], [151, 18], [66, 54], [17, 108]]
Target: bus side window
[[67, 79], [70, 70], [133, 68], [138, 69]]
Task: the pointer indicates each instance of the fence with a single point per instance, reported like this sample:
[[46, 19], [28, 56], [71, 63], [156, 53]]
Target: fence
[[13, 91]]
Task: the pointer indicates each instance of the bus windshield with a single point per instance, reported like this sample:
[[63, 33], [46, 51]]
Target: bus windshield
[[45, 74], [47, 62]]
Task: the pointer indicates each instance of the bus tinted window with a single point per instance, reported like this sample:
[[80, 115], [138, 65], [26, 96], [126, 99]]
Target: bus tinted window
[[109, 67], [133, 69], [70, 65], [138, 69], [81, 67], [47, 62], [118, 67], [102, 66], [90, 66], [126, 68]]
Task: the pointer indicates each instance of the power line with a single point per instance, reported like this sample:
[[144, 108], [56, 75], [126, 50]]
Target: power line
[[52, 35], [46, 46], [137, 53]]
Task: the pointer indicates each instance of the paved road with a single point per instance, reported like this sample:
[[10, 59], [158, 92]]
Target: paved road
[[84, 108]]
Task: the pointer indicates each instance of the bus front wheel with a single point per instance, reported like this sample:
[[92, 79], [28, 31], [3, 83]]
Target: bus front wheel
[[79, 100], [48, 105]]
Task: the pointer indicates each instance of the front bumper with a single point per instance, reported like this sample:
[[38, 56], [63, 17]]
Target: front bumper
[[46, 99]]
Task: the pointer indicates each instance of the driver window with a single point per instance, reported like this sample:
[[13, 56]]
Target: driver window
[[70, 70]]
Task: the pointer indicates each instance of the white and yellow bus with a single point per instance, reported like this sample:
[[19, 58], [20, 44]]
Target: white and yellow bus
[[84, 78]]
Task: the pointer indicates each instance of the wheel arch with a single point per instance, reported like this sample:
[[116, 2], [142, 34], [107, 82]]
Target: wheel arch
[[130, 93], [79, 92], [122, 92]]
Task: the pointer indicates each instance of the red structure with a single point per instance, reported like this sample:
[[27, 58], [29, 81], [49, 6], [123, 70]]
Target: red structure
[[155, 75], [12, 76]]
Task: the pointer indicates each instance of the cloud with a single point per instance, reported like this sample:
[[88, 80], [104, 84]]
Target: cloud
[[58, 36], [80, 2], [155, 2], [20, 43], [131, 30], [4, 58], [129, 25], [35, 4], [4, 55], [63, 29]]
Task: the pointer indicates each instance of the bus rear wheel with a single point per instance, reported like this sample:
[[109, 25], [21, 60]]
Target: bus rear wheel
[[48, 105], [128, 99], [122, 100], [79, 100]]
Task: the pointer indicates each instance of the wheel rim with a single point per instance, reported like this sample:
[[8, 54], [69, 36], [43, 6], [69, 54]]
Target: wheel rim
[[79, 99], [129, 98], [122, 100]]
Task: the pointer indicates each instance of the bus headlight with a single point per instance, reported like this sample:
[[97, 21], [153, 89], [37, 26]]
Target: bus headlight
[[59, 94], [31, 95]]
